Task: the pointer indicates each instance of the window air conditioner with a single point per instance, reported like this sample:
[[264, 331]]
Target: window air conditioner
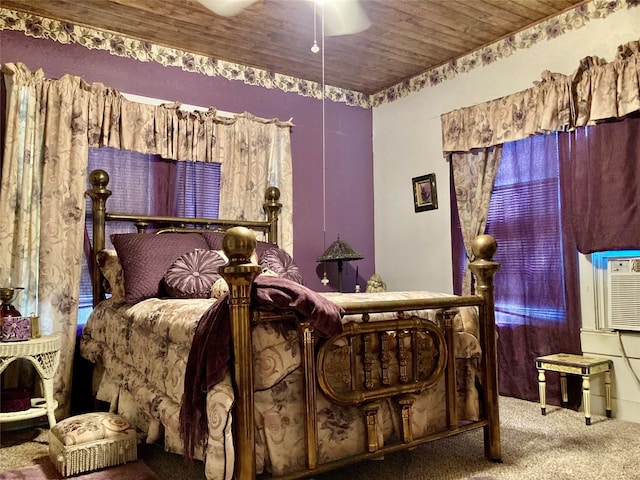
[[623, 293]]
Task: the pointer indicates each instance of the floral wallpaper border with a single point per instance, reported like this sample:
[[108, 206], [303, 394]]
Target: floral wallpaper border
[[117, 44], [546, 30]]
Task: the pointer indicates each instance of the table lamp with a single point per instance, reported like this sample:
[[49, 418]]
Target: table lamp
[[339, 251]]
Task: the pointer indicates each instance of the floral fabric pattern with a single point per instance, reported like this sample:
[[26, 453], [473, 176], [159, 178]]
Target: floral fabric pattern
[[473, 136], [90, 427], [143, 349], [255, 155], [50, 126], [597, 90], [466, 320], [474, 175], [281, 263], [111, 268], [193, 274], [42, 203], [116, 44]]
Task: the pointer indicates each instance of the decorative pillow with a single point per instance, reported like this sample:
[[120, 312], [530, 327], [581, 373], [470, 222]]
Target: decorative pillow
[[219, 288], [111, 268], [269, 273], [262, 247], [91, 427], [193, 274], [213, 239], [253, 259], [279, 261], [145, 257]]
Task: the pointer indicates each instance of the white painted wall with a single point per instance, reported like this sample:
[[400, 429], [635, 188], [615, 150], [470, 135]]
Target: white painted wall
[[413, 250]]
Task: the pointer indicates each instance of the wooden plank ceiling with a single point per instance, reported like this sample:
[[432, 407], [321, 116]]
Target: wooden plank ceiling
[[406, 38]]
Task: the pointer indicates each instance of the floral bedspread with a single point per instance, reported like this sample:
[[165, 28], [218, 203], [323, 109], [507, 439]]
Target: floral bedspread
[[142, 352]]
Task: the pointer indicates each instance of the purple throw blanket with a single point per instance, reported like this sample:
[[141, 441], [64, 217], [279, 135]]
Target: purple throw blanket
[[211, 348]]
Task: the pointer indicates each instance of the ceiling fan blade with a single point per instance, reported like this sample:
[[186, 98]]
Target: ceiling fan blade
[[227, 8], [344, 17]]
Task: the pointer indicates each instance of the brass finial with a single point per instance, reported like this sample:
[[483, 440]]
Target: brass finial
[[99, 179], [238, 244], [484, 247], [272, 195]]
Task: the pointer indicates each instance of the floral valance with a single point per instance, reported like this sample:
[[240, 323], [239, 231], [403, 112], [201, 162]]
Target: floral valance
[[596, 91], [165, 130], [254, 152]]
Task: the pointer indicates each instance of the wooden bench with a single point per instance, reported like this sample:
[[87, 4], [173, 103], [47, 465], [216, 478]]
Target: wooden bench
[[566, 363]]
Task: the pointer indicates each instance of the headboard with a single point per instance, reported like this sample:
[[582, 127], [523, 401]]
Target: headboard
[[99, 194]]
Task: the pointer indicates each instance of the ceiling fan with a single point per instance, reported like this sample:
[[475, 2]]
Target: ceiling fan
[[341, 17]]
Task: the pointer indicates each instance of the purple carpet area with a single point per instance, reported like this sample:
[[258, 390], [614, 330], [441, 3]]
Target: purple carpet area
[[47, 471]]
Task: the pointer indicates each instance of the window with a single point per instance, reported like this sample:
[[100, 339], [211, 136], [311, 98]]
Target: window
[[142, 183], [524, 217], [536, 302], [198, 189]]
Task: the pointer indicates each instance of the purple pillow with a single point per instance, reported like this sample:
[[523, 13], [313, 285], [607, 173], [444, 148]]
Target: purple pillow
[[193, 274], [263, 247], [280, 262], [145, 257], [214, 240]]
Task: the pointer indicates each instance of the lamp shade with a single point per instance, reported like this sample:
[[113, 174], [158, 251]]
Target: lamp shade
[[339, 251]]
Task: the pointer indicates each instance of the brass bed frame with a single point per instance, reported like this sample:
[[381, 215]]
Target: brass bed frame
[[239, 243]]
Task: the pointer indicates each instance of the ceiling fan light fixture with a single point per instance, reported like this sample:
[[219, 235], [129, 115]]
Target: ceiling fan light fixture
[[344, 17], [227, 8]]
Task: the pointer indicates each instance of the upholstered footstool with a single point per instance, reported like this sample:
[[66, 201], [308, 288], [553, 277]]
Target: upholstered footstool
[[91, 441]]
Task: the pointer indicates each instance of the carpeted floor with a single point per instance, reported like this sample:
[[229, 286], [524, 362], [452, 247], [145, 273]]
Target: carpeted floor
[[47, 471], [558, 446], [29, 448]]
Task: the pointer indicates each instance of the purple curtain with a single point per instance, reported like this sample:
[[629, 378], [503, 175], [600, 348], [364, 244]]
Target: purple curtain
[[163, 197], [459, 256], [141, 183], [601, 184], [144, 184], [537, 289], [147, 184]]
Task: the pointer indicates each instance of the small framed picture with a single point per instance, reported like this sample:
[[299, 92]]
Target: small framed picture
[[425, 195]]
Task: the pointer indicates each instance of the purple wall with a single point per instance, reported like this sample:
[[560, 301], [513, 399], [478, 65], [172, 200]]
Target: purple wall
[[349, 150]]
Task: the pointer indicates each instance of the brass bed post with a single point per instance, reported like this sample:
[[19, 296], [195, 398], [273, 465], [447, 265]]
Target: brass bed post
[[310, 394], [99, 194], [272, 207], [484, 269], [239, 243], [451, 371]]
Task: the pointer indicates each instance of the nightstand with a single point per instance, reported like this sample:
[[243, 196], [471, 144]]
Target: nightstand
[[44, 354]]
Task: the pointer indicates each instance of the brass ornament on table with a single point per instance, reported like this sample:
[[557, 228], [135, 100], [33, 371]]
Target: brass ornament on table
[[7, 296], [375, 284], [35, 325], [13, 326]]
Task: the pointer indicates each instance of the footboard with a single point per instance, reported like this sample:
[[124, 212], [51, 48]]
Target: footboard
[[386, 355]]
